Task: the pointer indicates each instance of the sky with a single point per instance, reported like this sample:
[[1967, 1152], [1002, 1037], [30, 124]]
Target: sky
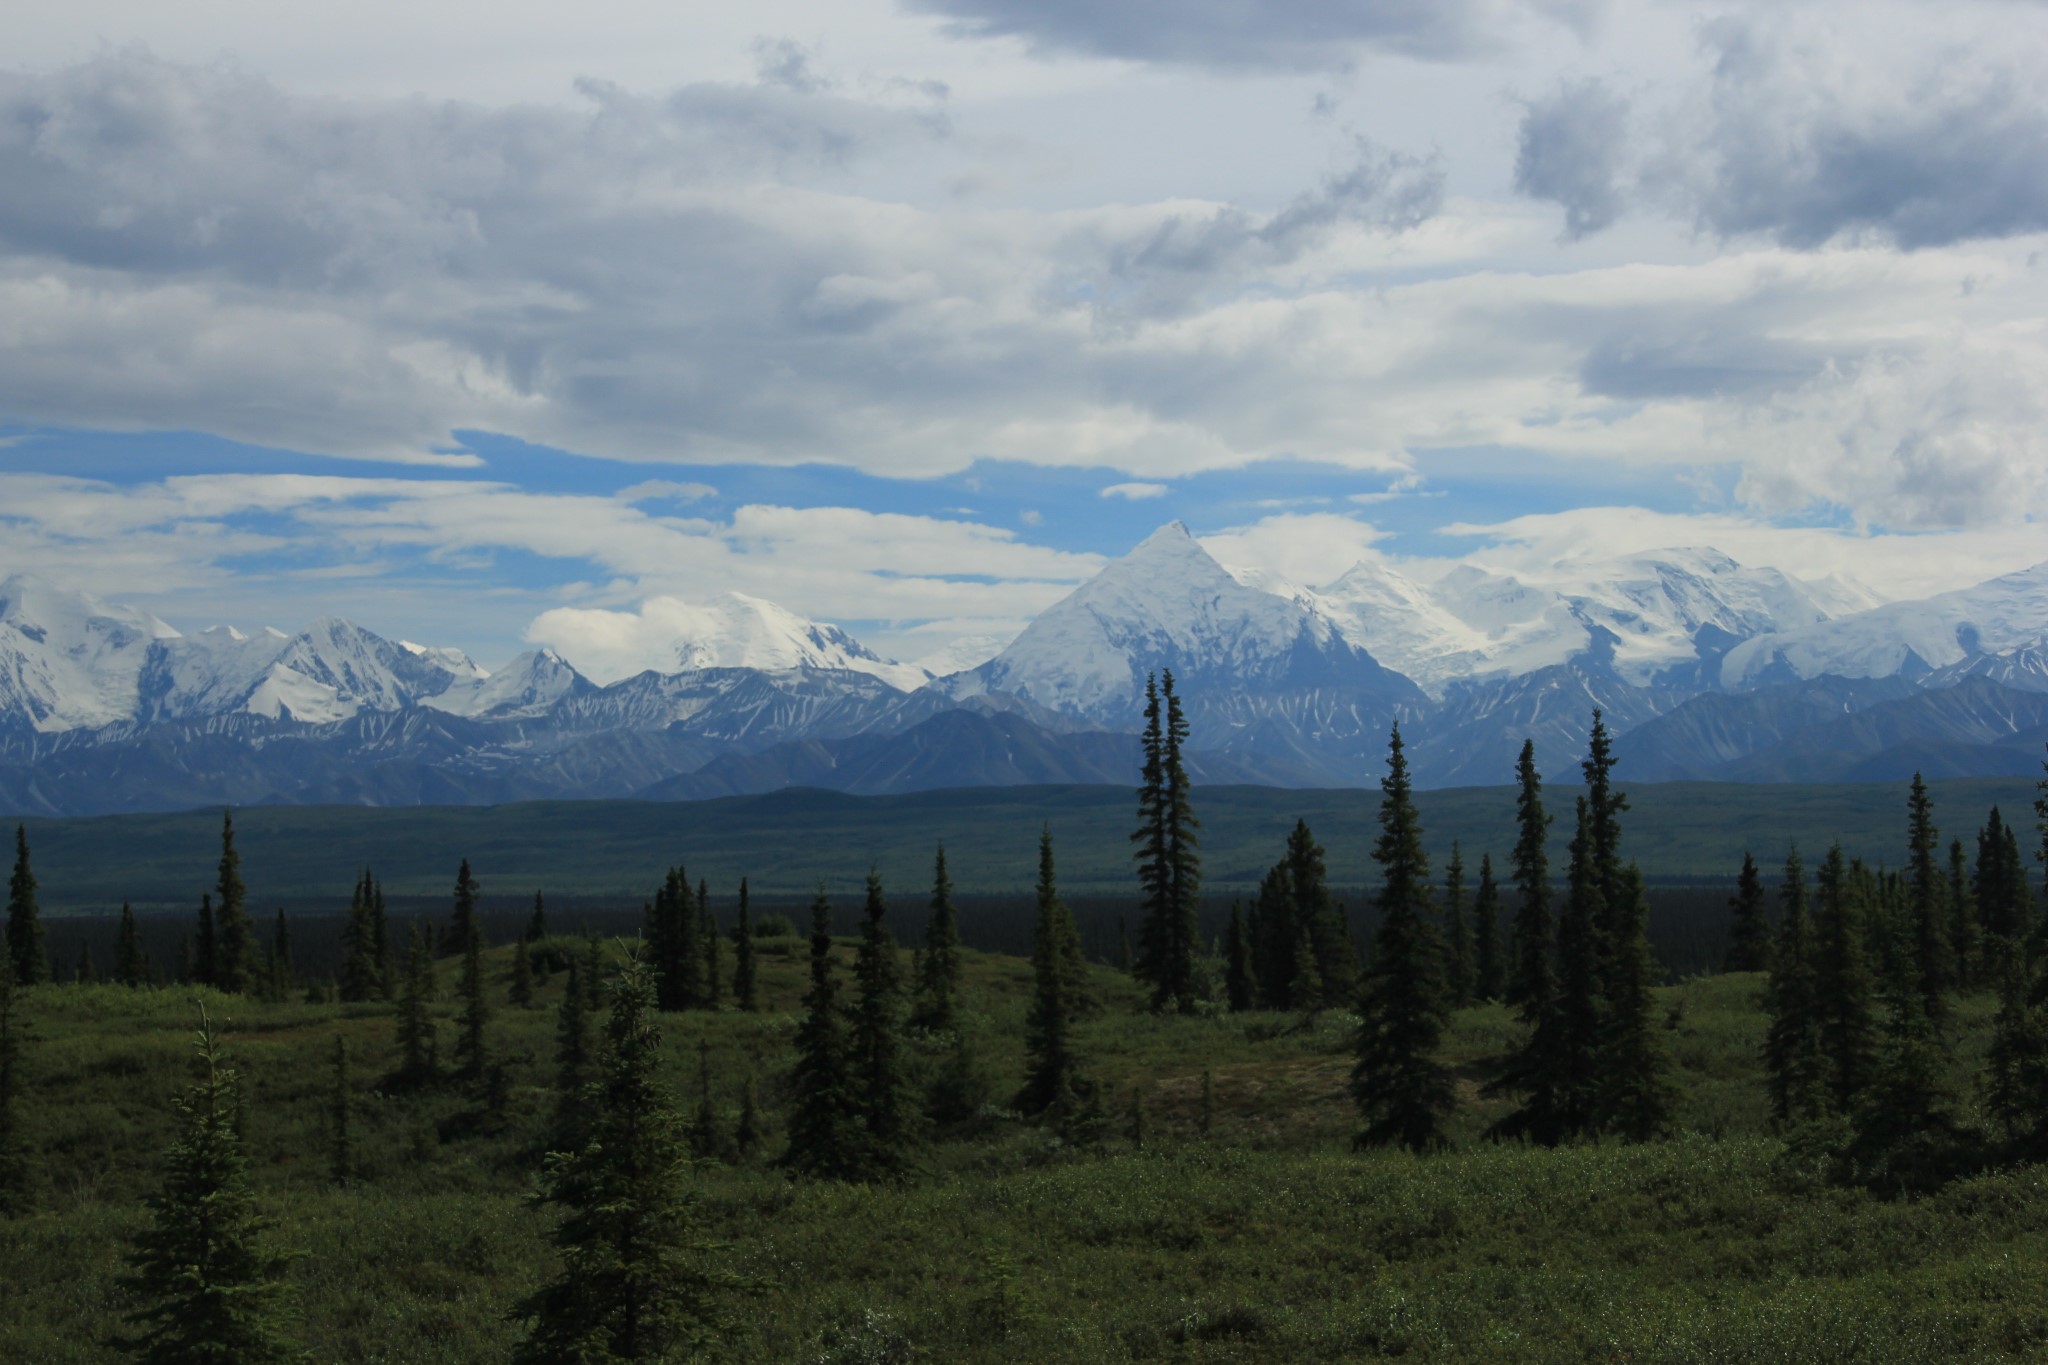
[[473, 322]]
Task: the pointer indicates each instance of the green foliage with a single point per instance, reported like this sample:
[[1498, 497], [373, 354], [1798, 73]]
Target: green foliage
[[1169, 863], [744, 995], [341, 1138], [1489, 977], [24, 919], [825, 1137], [882, 1085], [639, 1280], [418, 1035], [520, 991], [1792, 1052], [13, 1162], [1749, 924], [1457, 932], [234, 941], [131, 968], [214, 1293], [1933, 951], [938, 983], [1529, 981], [1055, 1084]]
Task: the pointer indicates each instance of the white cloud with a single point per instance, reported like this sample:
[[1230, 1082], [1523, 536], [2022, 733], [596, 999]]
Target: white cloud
[[1305, 548], [665, 490], [1134, 492]]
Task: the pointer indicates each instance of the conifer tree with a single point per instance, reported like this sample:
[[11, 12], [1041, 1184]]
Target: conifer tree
[[1402, 1090], [1963, 931], [462, 920], [880, 1076], [1457, 934], [743, 987], [537, 923], [283, 972], [1238, 981], [707, 1143], [1280, 953], [520, 992], [1169, 866], [362, 974], [13, 1161], [24, 919], [418, 1039], [1054, 1084], [824, 1126], [938, 985], [572, 1056], [1792, 1048], [1579, 1001], [1906, 1134], [1933, 952], [341, 1108], [86, 974], [1635, 1089], [214, 1292], [1326, 974], [234, 962], [1844, 988], [1488, 977], [638, 1280], [1749, 926], [2016, 1092], [2004, 902], [205, 944], [708, 936], [476, 1009], [1530, 979], [131, 968]]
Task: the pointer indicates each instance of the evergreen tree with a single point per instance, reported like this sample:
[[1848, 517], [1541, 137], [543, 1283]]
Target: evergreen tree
[[24, 919], [214, 1293], [1239, 982], [1281, 955], [743, 988], [283, 972], [572, 1056], [938, 985], [418, 1039], [707, 928], [362, 972], [707, 1143], [750, 1135], [1489, 978], [1963, 932], [1792, 1047], [1457, 934], [234, 961], [205, 945], [2017, 1081], [1906, 1135], [131, 968], [13, 1161], [1169, 867], [638, 1282], [85, 974], [1635, 1091], [1844, 988], [476, 1010], [537, 923], [1326, 974], [824, 1128], [380, 934], [1932, 949], [1749, 926], [1530, 978], [341, 1107], [462, 921], [1054, 1084], [1403, 1092], [881, 1079], [520, 992]]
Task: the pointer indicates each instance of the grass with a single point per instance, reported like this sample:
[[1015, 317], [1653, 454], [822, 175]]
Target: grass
[[1264, 1239]]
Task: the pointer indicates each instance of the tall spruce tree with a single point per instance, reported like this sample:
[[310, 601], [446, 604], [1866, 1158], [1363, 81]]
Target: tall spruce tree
[[1169, 865], [1457, 931], [1749, 924], [888, 1102], [213, 1292], [131, 967], [1530, 977], [707, 939], [572, 1056], [1963, 930], [743, 985], [470, 1058], [537, 922], [825, 1137], [2004, 902], [1933, 952], [14, 1168], [520, 990], [638, 1281], [1793, 1056], [362, 971], [24, 919], [1402, 1090], [86, 974], [2016, 1081], [938, 984], [1054, 1083], [1325, 962], [418, 1037], [1635, 1088], [1844, 987], [234, 962], [462, 920], [1489, 978]]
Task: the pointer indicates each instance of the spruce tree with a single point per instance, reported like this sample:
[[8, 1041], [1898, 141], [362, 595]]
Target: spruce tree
[[1530, 979], [234, 962], [1933, 952], [131, 968], [1488, 977], [743, 987], [1239, 982], [881, 1077], [1906, 1134], [1844, 987], [1749, 925], [341, 1107], [1635, 1095], [24, 919], [205, 945], [1457, 933], [572, 1056], [1054, 1083], [214, 1292], [1402, 1090], [362, 974], [476, 1010], [2016, 1090], [1326, 974], [520, 992], [1169, 866], [1183, 853], [1793, 1054], [380, 934], [14, 1167], [85, 974], [749, 1135], [1281, 954], [418, 1040], [537, 922], [938, 986], [638, 1281], [824, 1128], [707, 1143], [1963, 931], [462, 920], [707, 928]]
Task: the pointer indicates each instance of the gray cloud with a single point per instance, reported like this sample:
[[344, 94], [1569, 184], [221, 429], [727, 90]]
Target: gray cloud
[[1306, 35], [1572, 151]]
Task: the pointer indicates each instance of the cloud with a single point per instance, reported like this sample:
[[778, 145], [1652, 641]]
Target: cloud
[[1303, 548], [1245, 35], [1572, 150], [1135, 492], [665, 490], [1407, 486]]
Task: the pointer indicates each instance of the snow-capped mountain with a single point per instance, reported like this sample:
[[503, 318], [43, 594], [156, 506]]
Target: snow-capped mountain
[[68, 659], [531, 685], [2002, 618], [734, 630]]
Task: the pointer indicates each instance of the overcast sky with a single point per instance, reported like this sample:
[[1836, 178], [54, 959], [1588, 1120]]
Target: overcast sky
[[906, 315]]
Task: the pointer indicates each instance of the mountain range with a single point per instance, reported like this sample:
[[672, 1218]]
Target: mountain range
[[1703, 667]]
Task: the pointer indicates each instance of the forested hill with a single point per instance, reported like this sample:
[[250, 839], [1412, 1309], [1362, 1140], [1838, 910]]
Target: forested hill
[[788, 842]]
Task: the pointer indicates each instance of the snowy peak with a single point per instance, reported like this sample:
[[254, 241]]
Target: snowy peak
[[530, 686], [1943, 634], [735, 630], [67, 659]]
